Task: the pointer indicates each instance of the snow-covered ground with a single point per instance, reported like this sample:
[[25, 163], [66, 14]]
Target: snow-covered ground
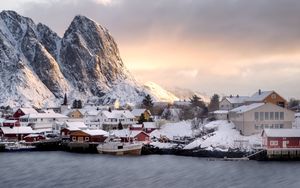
[[178, 129], [224, 137]]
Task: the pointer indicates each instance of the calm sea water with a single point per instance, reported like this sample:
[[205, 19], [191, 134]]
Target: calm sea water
[[61, 169]]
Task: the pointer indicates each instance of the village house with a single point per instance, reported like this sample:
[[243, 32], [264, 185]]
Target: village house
[[231, 102], [10, 123], [68, 127], [253, 118], [42, 120], [23, 111], [280, 142], [75, 114], [148, 127], [91, 118], [127, 135], [113, 119], [267, 97], [136, 127], [34, 137], [219, 114], [15, 133], [138, 112], [82, 136]]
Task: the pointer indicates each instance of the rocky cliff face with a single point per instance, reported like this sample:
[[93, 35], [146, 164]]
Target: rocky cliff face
[[38, 67]]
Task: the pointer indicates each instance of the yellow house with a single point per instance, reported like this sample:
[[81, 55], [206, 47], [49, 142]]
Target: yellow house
[[76, 114], [138, 112]]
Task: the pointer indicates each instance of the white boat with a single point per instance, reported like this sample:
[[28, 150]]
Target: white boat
[[116, 147]]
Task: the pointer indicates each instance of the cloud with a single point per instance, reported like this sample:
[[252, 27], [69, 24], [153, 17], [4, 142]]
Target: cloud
[[229, 46]]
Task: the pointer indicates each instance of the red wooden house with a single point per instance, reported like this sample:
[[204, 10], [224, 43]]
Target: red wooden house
[[33, 138], [15, 133], [130, 135], [23, 111], [11, 123], [82, 136], [281, 138]]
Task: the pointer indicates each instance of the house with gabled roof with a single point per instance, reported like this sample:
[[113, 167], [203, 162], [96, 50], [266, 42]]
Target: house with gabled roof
[[267, 97], [253, 118], [231, 102], [112, 119]]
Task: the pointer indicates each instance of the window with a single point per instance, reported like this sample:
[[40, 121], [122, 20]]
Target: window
[[271, 115], [266, 115], [256, 116], [273, 96], [86, 139], [261, 116], [276, 115], [257, 127], [281, 126], [273, 143], [266, 126], [74, 139], [281, 115]]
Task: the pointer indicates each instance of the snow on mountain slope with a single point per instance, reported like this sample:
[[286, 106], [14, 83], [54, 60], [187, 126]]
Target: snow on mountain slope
[[186, 94], [158, 93], [38, 67]]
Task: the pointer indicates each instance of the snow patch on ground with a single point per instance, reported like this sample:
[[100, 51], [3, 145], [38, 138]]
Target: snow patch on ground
[[178, 129], [223, 138]]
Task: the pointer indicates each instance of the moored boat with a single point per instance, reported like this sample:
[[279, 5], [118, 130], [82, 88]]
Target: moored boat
[[116, 147]]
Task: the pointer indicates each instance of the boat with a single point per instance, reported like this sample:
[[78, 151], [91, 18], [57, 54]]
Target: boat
[[114, 146]]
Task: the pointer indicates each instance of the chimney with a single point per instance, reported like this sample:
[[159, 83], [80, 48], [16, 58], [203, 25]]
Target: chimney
[[259, 91], [230, 96], [237, 96]]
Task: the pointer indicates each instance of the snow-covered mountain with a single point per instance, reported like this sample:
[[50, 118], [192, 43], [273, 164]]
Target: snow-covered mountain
[[158, 93], [186, 94], [38, 67]]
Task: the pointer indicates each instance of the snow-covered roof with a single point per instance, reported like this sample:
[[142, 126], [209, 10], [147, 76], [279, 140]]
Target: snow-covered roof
[[246, 108], [28, 110], [259, 96], [10, 121], [43, 130], [75, 126], [96, 132], [220, 112], [32, 135], [17, 130], [43, 115], [149, 125], [126, 133], [137, 126], [282, 132], [138, 112], [237, 99], [118, 114]]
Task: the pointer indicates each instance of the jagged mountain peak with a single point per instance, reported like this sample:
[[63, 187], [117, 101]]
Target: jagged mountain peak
[[39, 67]]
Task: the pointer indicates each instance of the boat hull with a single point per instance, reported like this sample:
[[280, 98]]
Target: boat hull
[[134, 152], [125, 150]]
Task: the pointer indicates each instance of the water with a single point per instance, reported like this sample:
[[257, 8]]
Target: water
[[61, 169]]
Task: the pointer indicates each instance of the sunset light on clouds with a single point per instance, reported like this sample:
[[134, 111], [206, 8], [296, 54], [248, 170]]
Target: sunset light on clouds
[[226, 47]]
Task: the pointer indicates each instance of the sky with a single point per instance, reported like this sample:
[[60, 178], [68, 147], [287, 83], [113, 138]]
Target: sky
[[212, 46]]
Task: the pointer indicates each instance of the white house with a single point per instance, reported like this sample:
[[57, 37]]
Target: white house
[[112, 119], [228, 103], [41, 120], [253, 118]]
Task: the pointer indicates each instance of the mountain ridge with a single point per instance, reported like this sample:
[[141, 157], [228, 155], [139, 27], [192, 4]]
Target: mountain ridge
[[38, 66]]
